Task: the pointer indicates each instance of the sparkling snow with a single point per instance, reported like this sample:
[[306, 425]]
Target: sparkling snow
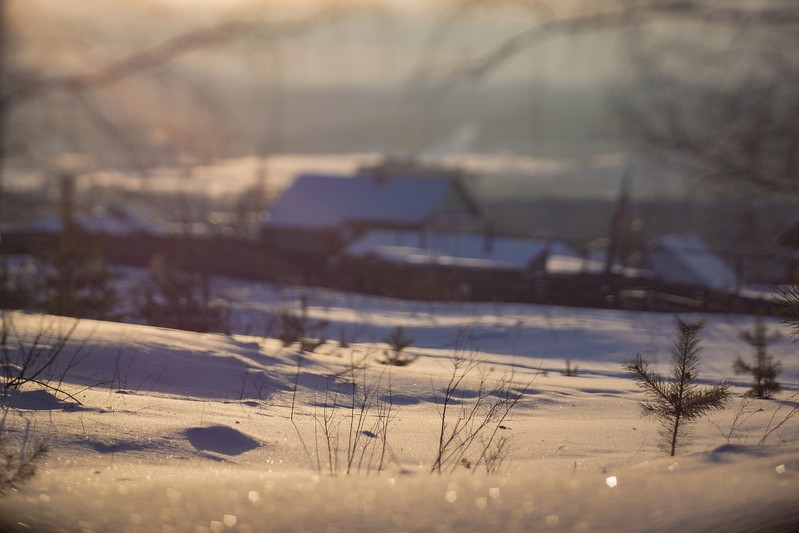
[[182, 431]]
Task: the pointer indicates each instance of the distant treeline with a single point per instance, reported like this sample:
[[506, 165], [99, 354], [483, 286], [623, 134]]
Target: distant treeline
[[261, 261]]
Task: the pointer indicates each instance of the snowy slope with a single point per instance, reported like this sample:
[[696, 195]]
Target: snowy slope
[[181, 431]]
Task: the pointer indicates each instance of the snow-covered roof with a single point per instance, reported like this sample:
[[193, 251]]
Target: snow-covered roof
[[706, 267], [563, 259], [115, 220], [319, 201], [470, 250], [111, 220], [570, 264]]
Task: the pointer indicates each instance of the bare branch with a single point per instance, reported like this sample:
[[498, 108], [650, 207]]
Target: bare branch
[[479, 68], [163, 53]]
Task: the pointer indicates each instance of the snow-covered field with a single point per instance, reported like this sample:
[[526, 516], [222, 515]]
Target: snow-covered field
[[179, 431]]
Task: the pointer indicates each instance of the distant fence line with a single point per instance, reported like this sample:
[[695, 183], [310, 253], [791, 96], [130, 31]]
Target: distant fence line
[[260, 261]]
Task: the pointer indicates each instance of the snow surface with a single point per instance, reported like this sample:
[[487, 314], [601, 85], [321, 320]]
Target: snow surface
[[180, 431]]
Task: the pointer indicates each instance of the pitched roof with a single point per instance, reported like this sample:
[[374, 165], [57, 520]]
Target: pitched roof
[[319, 201], [110, 220], [706, 267]]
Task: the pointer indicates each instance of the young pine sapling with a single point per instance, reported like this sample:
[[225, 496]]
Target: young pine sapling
[[678, 400], [397, 342], [178, 299], [764, 368], [570, 371], [299, 328]]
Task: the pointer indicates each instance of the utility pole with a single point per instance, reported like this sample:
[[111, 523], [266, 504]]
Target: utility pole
[[619, 222]]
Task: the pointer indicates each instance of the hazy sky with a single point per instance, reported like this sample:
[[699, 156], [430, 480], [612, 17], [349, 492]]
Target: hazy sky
[[381, 42], [247, 94]]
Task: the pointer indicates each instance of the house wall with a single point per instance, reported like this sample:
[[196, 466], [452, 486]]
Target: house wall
[[321, 241]]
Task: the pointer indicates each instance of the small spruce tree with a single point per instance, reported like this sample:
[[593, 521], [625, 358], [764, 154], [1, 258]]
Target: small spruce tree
[[176, 299], [81, 283], [296, 327], [570, 371], [18, 288], [765, 368], [397, 341], [678, 400]]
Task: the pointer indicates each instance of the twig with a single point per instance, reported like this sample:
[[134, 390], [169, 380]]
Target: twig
[[769, 430]]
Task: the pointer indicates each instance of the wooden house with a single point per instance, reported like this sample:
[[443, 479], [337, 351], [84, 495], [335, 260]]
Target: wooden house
[[322, 213]]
